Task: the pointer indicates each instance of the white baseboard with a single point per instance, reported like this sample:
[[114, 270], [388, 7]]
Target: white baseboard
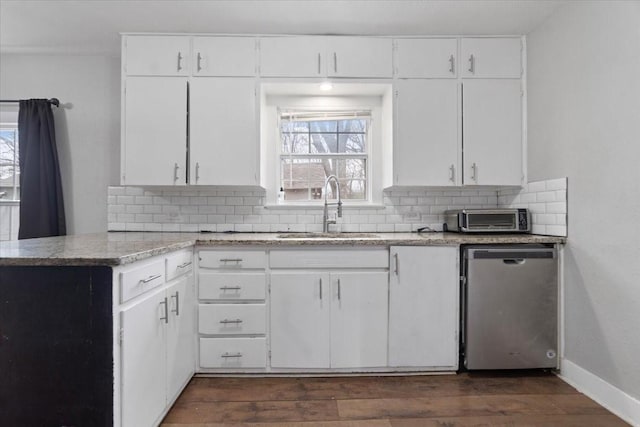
[[612, 398]]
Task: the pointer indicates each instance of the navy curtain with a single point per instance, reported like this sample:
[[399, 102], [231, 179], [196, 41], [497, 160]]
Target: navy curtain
[[41, 204]]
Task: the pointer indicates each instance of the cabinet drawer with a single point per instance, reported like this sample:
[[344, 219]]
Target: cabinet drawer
[[233, 259], [231, 286], [178, 264], [232, 319], [233, 353], [139, 280], [330, 258]]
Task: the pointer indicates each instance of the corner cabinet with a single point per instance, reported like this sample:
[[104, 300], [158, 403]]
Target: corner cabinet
[[424, 307]]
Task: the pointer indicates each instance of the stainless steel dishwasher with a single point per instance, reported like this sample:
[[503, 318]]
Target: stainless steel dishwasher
[[509, 307]]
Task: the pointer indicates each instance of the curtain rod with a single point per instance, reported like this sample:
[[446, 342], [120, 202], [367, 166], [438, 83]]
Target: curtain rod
[[52, 101]]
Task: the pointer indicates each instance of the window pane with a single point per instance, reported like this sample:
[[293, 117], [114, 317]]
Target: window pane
[[352, 168], [351, 143], [324, 126], [353, 189], [355, 125], [293, 126], [324, 143]]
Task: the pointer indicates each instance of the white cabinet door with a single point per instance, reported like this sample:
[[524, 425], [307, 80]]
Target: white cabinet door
[[301, 56], [492, 129], [224, 131], [426, 148], [423, 307], [224, 56], [366, 57], [157, 55], [155, 131], [143, 361], [300, 316], [426, 58], [359, 302], [180, 335], [491, 57]]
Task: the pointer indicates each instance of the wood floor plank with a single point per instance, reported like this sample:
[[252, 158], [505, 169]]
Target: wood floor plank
[[269, 389], [238, 412], [356, 423], [603, 420], [521, 404]]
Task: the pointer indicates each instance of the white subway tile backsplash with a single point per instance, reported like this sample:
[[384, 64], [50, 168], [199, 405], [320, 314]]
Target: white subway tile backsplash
[[186, 209]]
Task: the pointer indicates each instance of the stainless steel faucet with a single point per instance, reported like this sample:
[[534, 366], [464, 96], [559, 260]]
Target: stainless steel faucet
[[325, 217]]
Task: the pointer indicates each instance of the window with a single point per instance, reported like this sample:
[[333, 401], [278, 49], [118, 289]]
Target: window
[[9, 165], [315, 145]]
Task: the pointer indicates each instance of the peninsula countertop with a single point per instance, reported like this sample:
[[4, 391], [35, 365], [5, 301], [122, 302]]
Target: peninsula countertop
[[118, 248]]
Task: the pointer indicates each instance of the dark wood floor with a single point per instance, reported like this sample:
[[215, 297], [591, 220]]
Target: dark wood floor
[[487, 399]]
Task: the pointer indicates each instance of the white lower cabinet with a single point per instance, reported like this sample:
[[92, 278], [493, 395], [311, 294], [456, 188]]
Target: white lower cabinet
[[157, 343], [232, 310], [329, 318], [423, 307]]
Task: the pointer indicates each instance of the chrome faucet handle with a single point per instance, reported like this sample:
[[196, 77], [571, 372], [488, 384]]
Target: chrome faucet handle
[[339, 209]]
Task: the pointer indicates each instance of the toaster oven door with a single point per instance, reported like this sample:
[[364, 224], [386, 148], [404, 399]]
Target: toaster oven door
[[491, 221]]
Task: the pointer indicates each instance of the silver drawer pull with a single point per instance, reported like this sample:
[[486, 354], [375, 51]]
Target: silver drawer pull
[[227, 321], [228, 355], [230, 288], [231, 260], [150, 278], [184, 264]]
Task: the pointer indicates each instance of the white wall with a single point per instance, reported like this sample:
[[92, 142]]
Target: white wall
[[87, 129], [584, 123]]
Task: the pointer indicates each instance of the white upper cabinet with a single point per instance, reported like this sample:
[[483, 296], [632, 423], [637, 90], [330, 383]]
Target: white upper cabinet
[[315, 56], [224, 56], [301, 56], [155, 131], [426, 147], [492, 129], [366, 57], [426, 58], [223, 133], [157, 55], [491, 57]]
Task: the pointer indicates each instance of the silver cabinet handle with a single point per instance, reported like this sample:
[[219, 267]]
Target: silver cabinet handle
[[452, 173], [150, 278], [230, 288], [320, 288], [230, 355], [197, 171], [472, 64], [227, 321], [177, 297], [335, 62], [230, 259], [319, 69], [199, 62], [185, 264], [397, 269], [166, 310], [474, 172], [179, 61], [451, 65], [175, 172], [339, 290]]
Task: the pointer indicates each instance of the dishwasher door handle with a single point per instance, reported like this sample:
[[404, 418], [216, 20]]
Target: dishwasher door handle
[[519, 261]]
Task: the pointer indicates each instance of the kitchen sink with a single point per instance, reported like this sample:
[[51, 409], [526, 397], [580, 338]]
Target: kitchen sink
[[327, 236]]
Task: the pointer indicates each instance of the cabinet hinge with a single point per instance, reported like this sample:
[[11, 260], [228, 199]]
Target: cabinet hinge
[[120, 336], [269, 354]]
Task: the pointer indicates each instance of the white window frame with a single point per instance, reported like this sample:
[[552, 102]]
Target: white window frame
[[16, 162], [337, 114]]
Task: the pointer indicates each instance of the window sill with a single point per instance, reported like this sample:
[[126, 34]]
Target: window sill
[[309, 206], [9, 202]]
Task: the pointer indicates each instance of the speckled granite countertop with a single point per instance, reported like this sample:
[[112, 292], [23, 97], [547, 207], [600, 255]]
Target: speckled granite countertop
[[119, 248]]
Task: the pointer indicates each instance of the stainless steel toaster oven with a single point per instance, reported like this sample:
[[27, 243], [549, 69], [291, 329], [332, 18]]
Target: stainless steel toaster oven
[[488, 221]]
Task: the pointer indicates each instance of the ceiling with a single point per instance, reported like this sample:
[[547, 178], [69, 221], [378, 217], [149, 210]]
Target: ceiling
[[93, 26]]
